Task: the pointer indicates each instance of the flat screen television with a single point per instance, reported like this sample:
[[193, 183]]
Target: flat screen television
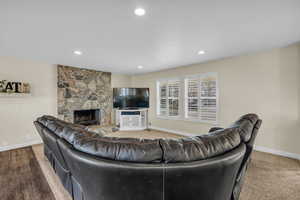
[[131, 98]]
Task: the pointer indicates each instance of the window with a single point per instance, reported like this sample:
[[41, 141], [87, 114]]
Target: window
[[201, 98], [190, 98], [169, 98], [163, 99]]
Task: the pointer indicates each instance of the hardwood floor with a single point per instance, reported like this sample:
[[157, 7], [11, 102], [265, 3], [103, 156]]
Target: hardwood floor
[[21, 177], [57, 188]]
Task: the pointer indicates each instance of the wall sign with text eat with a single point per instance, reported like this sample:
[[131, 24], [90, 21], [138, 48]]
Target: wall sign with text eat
[[14, 87]]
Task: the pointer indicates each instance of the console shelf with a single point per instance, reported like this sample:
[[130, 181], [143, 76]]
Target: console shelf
[[132, 119]]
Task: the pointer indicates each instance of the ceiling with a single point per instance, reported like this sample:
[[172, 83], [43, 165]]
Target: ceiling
[[171, 33]]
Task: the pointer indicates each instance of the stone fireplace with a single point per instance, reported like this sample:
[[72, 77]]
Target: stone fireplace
[[87, 117], [83, 89]]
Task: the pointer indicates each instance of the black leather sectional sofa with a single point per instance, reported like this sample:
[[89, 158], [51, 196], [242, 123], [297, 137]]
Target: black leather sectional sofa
[[94, 167]]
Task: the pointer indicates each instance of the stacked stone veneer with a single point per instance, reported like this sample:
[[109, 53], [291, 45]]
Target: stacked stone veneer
[[81, 89]]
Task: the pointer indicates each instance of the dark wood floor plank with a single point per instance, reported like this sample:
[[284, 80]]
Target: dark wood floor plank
[[21, 177]]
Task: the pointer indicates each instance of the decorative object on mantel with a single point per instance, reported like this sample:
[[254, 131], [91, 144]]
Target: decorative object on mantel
[[12, 87]]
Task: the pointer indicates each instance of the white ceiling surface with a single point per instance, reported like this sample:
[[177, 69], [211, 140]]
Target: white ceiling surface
[[113, 39]]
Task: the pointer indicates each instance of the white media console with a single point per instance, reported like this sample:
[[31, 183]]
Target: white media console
[[132, 119]]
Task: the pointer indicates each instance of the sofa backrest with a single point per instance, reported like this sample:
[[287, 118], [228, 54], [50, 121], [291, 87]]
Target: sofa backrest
[[200, 147], [123, 149], [247, 124], [210, 179], [54, 155], [50, 143], [144, 150], [97, 178], [50, 129]]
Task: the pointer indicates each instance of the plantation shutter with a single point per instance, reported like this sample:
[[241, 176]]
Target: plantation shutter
[[208, 98], [162, 110], [168, 98], [192, 98], [196, 95], [201, 98], [173, 97]]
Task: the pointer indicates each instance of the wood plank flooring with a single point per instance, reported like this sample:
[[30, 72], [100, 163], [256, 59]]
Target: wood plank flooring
[[56, 186], [21, 177]]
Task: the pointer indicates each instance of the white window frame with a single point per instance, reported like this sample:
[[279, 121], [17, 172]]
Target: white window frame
[[183, 98]]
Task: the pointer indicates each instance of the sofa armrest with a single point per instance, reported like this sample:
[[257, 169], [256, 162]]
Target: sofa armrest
[[214, 129]]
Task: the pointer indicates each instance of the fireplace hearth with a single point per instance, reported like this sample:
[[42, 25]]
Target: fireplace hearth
[[87, 117]]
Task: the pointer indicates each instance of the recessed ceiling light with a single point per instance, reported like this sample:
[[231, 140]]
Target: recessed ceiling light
[[201, 52], [139, 11], [77, 52], [140, 67]]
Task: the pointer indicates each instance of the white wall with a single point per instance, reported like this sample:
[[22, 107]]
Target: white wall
[[265, 83], [120, 80], [17, 113]]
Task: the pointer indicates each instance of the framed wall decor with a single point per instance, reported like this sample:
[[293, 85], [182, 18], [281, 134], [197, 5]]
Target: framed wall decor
[[14, 87]]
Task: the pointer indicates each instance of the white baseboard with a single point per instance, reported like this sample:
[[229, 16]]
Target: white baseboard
[[257, 148], [277, 152], [16, 146]]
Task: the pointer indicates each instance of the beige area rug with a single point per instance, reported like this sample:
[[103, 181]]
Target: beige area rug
[[146, 134], [269, 177]]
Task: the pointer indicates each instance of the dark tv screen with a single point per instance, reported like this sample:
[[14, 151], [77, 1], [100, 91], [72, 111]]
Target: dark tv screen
[[126, 98]]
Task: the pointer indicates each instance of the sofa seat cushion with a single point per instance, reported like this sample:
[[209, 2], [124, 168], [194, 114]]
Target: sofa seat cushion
[[200, 147]]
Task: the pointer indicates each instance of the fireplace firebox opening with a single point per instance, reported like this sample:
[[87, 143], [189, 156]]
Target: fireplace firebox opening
[[87, 117]]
